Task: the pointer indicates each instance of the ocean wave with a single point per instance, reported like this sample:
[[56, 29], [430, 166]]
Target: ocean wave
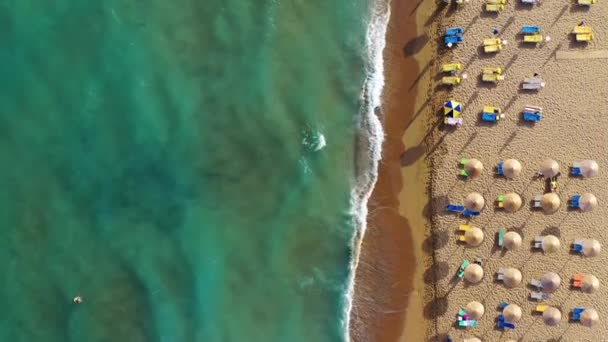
[[370, 136]]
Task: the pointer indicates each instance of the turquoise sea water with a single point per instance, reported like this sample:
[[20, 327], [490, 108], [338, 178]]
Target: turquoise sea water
[[152, 162]]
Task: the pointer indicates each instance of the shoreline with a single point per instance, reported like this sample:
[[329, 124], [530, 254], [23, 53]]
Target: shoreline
[[389, 286]]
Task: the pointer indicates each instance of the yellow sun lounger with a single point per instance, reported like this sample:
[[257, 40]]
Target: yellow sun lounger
[[491, 77], [464, 227], [494, 7], [584, 37], [492, 48], [587, 2], [497, 2], [533, 38], [491, 71], [492, 41], [451, 80], [541, 308], [462, 238], [451, 67], [582, 29], [491, 109]]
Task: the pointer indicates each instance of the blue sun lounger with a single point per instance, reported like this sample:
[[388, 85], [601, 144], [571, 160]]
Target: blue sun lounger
[[576, 171], [453, 31], [452, 39], [574, 201], [530, 29], [577, 246], [502, 324], [576, 313], [499, 170], [489, 117], [534, 117], [470, 213], [455, 208]]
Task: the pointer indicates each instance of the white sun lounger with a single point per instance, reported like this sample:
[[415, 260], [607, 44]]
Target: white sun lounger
[[538, 242], [536, 201], [536, 283]]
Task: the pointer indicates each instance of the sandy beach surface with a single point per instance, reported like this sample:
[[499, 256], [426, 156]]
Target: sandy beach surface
[[573, 128]]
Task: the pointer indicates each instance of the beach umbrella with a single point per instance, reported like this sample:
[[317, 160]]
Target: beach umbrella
[[589, 168], [591, 248], [550, 202], [549, 168], [512, 277], [473, 236], [452, 108], [511, 241], [511, 202], [552, 316], [473, 167], [473, 273], [512, 313], [475, 310], [550, 281], [590, 283], [511, 168], [472, 339], [550, 244], [474, 201], [587, 202], [589, 317]]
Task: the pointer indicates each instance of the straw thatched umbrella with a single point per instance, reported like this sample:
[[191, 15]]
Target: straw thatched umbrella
[[473, 273], [473, 236], [552, 316], [591, 248], [589, 168], [512, 202], [550, 281], [512, 313], [511, 168], [512, 277], [475, 310], [587, 202], [550, 244], [550, 202], [589, 317], [474, 201], [473, 167], [590, 283], [512, 241], [549, 168]]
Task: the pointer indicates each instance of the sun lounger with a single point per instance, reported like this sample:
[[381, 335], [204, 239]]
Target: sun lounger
[[460, 272], [538, 242], [584, 37], [530, 29], [499, 170], [450, 80], [533, 83], [453, 121], [574, 201], [494, 7], [533, 117], [500, 200], [491, 70], [536, 201], [533, 109], [541, 308], [452, 40], [538, 295], [530, 1], [582, 29], [468, 323], [500, 275], [453, 31], [491, 117], [536, 283], [577, 246], [496, 2], [463, 227], [500, 323], [576, 313], [577, 280], [455, 208], [451, 68], [533, 38], [470, 213], [586, 2], [575, 169], [491, 77], [501, 237]]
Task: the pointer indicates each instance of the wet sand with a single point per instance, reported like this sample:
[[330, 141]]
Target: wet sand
[[389, 289]]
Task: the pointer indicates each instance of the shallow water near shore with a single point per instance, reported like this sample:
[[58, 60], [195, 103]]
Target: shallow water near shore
[[185, 167]]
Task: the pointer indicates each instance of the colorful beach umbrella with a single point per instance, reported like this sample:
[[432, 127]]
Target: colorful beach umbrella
[[512, 202], [474, 201], [590, 283], [475, 310], [552, 316], [452, 108], [550, 202], [512, 277], [549, 168], [589, 168], [589, 317], [512, 241], [591, 248], [550, 244], [550, 281], [473, 236], [587, 202], [512, 313], [511, 168], [473, 273]]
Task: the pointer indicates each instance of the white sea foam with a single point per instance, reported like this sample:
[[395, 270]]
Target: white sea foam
[[370, 138]]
